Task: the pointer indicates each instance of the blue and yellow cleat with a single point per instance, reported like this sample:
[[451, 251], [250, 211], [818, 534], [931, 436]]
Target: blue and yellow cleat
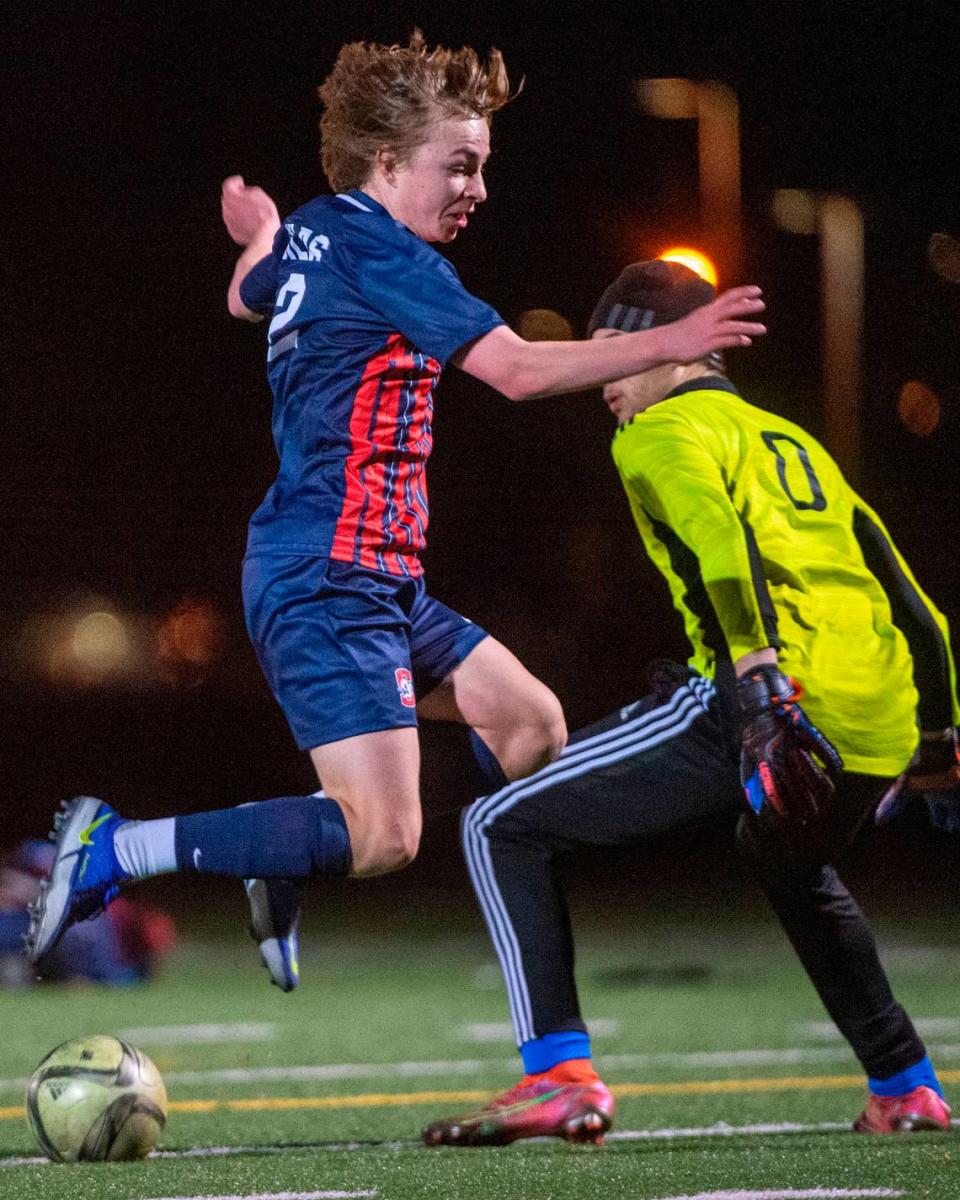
[[274, 912], [85, 875]]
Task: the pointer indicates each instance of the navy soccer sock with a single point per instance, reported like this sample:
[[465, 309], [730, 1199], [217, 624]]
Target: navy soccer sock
[[489, 776], [290, 836]]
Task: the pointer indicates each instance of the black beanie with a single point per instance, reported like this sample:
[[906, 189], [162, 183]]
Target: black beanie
[[646, 294]]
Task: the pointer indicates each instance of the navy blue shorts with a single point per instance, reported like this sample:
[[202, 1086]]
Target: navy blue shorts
[[347, 650]]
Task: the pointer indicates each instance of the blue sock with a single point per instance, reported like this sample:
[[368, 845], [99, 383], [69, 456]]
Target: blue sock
[[542, 1053], [921, 1074], [290, 836], [490, 777]]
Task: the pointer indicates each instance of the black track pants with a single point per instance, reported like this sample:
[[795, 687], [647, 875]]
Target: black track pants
[[651, 767]]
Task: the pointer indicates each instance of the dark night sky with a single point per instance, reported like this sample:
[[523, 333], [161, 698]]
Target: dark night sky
[[137, 416]]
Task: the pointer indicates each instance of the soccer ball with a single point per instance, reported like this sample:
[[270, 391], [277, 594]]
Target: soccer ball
[[96, 1099]]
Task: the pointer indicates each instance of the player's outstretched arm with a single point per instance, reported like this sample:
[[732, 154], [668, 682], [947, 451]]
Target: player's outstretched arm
[[252, 221], [525, 370]]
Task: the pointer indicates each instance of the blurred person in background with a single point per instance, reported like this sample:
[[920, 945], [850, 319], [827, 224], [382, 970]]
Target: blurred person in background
[[126, 947], [789, 586]]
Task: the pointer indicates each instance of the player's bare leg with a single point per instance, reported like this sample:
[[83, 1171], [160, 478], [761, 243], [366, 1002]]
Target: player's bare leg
[[518, 718], [375, 778]]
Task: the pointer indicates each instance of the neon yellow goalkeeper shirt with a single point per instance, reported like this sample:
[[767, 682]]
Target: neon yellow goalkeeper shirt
[[763, 543]]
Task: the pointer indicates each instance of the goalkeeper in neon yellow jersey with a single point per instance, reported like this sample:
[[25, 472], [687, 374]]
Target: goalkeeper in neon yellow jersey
[[820, 680], [775, 562]]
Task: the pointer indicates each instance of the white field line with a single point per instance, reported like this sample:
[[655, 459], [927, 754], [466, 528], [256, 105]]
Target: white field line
[[695, 1060], [502, 1031], [281, 1196], [193, 1035], [925, 1026], [721, 1129], [819, 1193]]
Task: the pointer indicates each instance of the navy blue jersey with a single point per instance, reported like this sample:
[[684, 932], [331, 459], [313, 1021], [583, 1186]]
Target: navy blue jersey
[[364, 314]]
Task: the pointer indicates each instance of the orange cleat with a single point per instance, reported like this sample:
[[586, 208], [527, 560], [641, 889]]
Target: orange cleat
[[537, 1106], [910, 1113]]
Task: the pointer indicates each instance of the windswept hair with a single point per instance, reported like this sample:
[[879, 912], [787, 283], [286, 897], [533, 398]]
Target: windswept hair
[[379, 96]]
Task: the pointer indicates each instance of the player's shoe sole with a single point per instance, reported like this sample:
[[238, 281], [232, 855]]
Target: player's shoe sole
[[274, 911], [915, 1112], [575, 1112], [84, 877]]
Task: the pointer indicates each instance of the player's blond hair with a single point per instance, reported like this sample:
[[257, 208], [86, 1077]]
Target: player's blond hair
[[387, 96]]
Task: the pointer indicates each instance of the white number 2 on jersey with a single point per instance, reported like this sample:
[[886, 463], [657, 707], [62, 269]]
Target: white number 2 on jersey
[[289, 299]]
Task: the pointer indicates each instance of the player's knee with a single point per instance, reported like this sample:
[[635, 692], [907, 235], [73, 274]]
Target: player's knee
[[388, 846], [546, 736]]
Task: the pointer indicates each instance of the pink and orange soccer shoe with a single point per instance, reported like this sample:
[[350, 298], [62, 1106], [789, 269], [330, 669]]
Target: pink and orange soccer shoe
[[538, 1106], [910, 1113]]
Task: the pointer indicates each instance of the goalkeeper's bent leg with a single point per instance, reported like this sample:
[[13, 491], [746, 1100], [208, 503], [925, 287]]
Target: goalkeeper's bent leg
[[838, 952]]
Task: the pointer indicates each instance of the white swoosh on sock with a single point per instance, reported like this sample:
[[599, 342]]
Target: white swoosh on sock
[[196, 859]]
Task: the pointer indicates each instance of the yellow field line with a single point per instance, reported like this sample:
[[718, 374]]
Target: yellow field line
[[703, 1087]]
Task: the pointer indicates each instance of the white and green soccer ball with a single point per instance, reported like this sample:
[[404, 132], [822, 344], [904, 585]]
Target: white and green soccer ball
[[96, 1099]]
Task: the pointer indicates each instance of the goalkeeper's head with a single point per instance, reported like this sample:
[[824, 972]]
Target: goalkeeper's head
[[644, 295]]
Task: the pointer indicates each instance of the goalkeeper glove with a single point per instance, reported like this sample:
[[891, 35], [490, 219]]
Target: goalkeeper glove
[[780, 749]]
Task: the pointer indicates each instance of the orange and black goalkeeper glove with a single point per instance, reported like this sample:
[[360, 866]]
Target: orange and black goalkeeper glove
[[786, 764]]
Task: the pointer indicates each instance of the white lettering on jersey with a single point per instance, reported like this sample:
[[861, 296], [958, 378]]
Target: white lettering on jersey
[[305, 245]]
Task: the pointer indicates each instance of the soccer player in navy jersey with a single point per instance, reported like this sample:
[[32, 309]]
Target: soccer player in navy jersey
[[363, 315], [780, 572]]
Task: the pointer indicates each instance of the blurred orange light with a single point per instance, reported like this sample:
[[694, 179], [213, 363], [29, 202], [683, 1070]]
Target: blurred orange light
[[693, 259], [544, 325], [918, 408], [670, 98], [189, 638]]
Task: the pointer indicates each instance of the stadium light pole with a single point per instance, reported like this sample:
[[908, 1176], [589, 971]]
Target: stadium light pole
[[715, 108], [838, 223], [841, 268]]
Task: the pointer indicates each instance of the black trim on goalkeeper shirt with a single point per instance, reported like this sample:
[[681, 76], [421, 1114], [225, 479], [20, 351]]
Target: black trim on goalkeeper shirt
[[931, 664]]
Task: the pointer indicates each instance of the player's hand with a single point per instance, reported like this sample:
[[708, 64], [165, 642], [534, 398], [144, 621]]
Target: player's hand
[[720, 325], [246, 210], [786, 763], [933, 774]]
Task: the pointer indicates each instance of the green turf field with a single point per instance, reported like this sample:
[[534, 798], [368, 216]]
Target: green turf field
[[728, 1081]]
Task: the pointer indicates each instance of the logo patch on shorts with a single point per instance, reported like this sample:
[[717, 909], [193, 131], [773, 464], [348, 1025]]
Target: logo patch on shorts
[[405, 687]]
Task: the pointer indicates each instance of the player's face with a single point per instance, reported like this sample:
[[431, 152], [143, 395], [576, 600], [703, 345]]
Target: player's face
[[628, 396], [441, 183]]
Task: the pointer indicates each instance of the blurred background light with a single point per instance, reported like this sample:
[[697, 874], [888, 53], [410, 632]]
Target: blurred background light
[[544, 325], [189, 639], [840, 225], [918, 407], [89, 648], [669, 98], [99, 642], [943, 254], [794, 210], [716, 109], [694, 259]]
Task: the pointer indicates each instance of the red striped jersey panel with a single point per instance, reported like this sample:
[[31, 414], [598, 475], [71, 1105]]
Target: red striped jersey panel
[[383, 519]]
